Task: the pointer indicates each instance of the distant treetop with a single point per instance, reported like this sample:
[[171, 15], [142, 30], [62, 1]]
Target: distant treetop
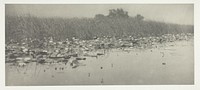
[[114, 13], [118, 13]]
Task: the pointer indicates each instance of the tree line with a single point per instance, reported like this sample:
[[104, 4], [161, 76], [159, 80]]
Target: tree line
[[117, 24]]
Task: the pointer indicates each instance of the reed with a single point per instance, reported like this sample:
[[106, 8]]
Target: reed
[[20, 27]]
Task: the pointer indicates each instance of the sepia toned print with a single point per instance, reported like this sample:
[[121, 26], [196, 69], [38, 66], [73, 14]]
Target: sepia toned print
[[97, 44]]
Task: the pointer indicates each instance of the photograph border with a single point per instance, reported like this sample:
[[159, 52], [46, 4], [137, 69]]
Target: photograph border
[[196, 85]]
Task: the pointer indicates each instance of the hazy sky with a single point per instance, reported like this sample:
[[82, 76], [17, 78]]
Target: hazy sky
[[174, 13]]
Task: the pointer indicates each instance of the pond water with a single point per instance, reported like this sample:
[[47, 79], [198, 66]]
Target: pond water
[[170, 63]]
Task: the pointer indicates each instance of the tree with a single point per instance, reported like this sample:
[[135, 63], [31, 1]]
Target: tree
[[139, 17], [99, 16], [118, 13]]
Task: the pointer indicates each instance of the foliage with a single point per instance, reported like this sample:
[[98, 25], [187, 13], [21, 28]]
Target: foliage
[[20, 27]]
